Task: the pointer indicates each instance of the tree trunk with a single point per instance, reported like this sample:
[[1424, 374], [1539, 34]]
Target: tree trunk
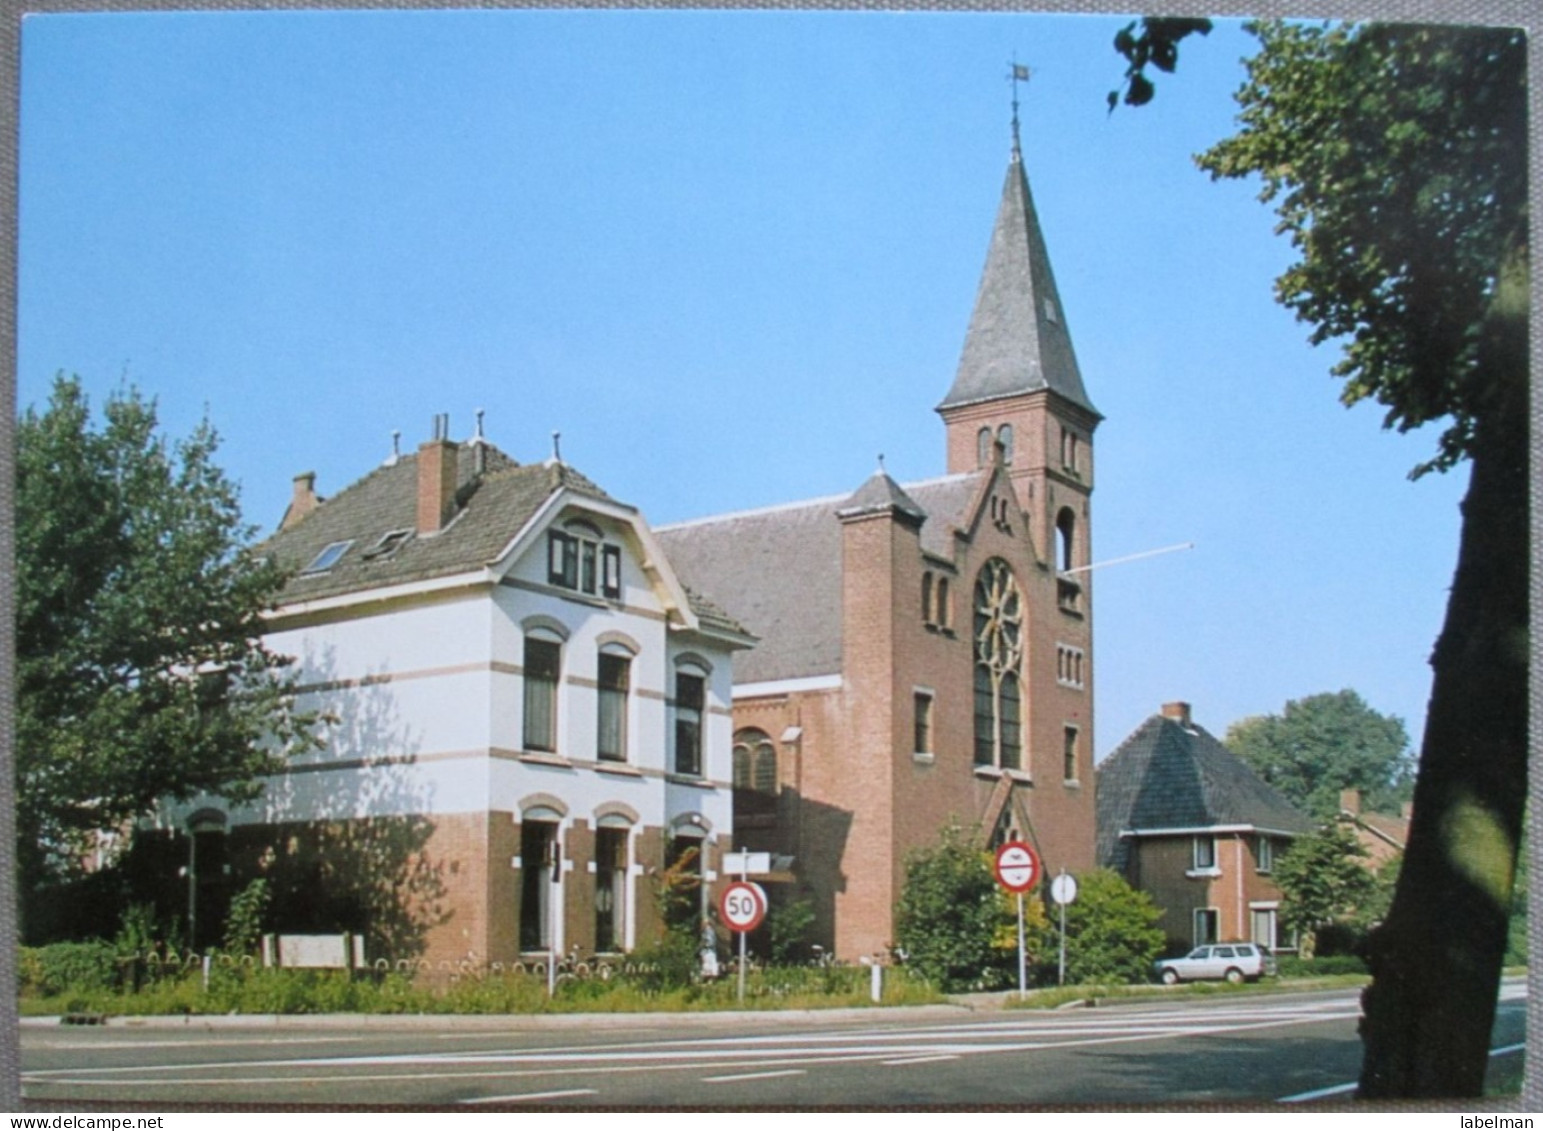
[[1436, 960]]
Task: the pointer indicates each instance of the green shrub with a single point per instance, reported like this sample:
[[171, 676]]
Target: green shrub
[[788, 927], [68, 967], [1321, 967], [244, 922], [1111, 932], [672, 963], [950, 913]]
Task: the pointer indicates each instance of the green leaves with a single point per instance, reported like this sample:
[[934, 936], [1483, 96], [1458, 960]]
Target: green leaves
[[140, 669], [1111, 931], [950, 912], [1157, 44], [1395, 158], [1322, 880], [1324, 744]]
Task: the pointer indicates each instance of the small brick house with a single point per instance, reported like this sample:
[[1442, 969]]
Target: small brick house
[[1186, 820], [1382, 835], [530, 717], [925, 649]]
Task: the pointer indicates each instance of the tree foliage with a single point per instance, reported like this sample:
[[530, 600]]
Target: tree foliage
[[1111, 931], [1395, 157], [1151, 40], [141, 673], [1322, 880], [951, 913], [1324, 744]]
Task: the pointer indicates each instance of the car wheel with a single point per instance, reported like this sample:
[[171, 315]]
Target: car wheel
[[1170, 977], [1234, 975]]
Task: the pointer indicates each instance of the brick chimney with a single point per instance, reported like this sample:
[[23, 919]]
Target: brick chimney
[[303, 502], [1178, 712], [436, 478], [1350, 801]]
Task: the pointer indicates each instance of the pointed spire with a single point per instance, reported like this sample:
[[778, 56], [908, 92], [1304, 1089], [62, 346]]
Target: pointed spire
[[1017, 341]]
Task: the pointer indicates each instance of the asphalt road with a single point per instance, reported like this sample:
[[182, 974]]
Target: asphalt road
[[1226, 1048]]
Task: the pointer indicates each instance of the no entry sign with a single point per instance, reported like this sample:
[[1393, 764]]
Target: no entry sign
[[1017, 867], [742, 906]]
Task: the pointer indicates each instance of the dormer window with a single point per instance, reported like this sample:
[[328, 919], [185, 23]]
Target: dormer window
[[328, 558], [585, 565]]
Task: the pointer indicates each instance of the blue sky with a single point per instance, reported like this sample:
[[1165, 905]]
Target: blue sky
[[731, 257]]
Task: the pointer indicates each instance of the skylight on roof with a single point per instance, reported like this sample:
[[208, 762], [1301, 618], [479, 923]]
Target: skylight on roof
[[389, 543], [328, 557]]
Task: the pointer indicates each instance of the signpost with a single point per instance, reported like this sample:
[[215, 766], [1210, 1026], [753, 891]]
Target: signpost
[[1063, 889], [741, 907], [1018, 869]]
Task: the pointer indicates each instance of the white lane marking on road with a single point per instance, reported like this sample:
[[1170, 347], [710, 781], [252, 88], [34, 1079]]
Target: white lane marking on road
[[598, 1062], [1302, 1097], [505, 1074], [752, 1076], [1140, 1024], [921, 1059], [1339, 1089], [72, 1046], [524, 1097]]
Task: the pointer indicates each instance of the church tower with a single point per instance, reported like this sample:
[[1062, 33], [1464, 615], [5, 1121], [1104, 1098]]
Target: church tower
[[1018, 390]]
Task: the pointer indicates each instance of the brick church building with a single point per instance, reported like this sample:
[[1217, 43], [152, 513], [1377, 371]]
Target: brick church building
[[925, 649]]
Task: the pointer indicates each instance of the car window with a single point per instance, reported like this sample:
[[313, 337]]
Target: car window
[[1200, 952], [1224, 952], [1245, 952]]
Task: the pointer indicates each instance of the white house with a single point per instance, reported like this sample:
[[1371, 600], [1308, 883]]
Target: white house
[[530, 717]]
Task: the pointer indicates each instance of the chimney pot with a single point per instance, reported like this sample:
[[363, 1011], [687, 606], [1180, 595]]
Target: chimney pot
[[303, 501], [1178, 711]]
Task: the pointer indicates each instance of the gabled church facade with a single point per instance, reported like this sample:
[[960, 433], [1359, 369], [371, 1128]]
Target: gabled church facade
[[925, 650]]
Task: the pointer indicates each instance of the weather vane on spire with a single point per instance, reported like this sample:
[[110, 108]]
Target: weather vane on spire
[[1019, 73]]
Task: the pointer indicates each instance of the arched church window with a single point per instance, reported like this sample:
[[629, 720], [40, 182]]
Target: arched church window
[[1066, 536], [944, 613], [983, 447], [928, 615], [1005, 440], [998, 663], [755, 761]]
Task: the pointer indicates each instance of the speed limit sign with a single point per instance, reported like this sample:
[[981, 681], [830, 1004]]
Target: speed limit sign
[[742, 906]]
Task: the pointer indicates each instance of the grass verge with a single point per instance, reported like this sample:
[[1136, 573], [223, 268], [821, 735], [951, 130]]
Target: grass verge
[[306, 991]]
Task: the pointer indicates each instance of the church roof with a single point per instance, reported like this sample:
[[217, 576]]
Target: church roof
[[779, 569], [1168, 776], [1017, 341]]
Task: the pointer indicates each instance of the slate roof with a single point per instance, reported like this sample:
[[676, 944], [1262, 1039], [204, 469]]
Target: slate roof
[[779, 569], [1166, 776], [881, 493], [491, 511], [1018, 341]]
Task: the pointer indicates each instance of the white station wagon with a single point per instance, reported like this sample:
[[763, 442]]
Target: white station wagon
[[1236, 962]]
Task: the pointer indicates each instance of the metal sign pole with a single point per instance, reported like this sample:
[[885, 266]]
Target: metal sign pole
[[1061, 972], [1023, 979], [1061, 978], [744, 876]]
